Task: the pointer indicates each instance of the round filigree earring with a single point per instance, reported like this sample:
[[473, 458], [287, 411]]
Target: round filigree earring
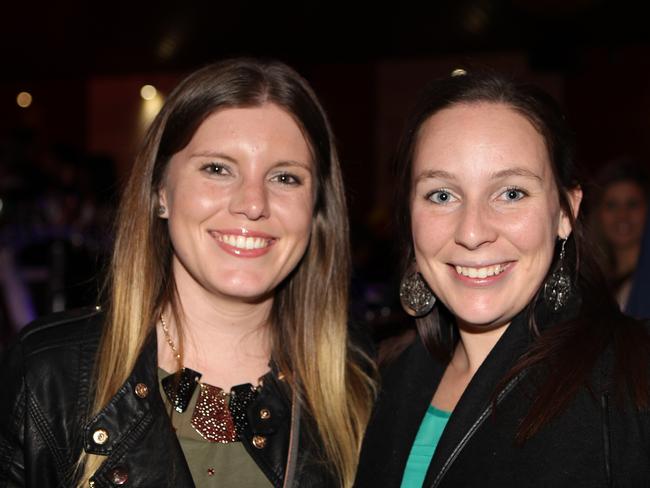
[[415, 295], [161, 210]]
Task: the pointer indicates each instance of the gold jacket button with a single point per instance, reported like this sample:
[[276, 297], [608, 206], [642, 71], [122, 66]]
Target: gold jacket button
[[119, 476], [141, 390], [265, 414], [100, 436], [259, 441]]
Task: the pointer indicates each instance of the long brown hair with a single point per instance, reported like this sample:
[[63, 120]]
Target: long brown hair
[[570, 349], [309, 313]]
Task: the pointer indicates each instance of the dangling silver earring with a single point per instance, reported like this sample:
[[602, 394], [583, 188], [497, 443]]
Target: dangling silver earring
[[415, 295], [161, 210], [557, 289]]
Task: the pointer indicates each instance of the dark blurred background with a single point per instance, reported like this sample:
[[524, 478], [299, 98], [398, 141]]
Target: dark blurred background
[[65, 152]]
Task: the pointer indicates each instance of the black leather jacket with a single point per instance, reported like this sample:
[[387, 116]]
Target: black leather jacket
[[45, 379]]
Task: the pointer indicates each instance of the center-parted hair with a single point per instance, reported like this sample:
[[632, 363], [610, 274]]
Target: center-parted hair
[[309, 315], [569, 349]]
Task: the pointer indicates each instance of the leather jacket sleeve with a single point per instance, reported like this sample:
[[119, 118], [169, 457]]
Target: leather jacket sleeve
[[12, 419], [44, 397]]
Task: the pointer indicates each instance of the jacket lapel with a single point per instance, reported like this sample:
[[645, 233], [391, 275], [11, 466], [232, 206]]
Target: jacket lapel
[[138, 439], [408, 386], [474, 406]]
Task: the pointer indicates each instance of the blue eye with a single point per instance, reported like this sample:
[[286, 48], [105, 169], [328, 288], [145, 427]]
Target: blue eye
[[513, 194], [441, 197]]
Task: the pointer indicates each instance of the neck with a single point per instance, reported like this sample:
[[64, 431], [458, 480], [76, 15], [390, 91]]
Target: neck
[[474, 346], [228, 341]]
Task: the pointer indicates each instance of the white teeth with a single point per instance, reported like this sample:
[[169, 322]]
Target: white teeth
[[480, 272], [242, 242]]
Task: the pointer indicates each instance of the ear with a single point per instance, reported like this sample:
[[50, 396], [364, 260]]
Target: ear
[[564, 226], [162, 208]]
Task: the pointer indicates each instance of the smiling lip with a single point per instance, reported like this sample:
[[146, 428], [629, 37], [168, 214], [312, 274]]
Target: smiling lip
[[481, 275], [243, 243]]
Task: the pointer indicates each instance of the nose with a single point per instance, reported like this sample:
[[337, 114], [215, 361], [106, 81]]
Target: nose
[[475, 227], [250, 199]]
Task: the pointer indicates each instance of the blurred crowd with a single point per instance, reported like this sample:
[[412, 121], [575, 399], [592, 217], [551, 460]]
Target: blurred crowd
[[55, 212]]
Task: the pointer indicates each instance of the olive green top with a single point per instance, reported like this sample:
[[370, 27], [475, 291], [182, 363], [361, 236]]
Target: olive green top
[[212, 464]]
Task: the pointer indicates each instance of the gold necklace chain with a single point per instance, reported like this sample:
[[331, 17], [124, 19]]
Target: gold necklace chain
[[178, 357], [169, 340]]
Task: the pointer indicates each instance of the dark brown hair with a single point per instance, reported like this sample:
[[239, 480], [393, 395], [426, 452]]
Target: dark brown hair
[[569, 350]]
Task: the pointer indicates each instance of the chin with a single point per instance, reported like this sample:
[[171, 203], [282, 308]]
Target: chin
[[481, 320], [483, 326], [245, 290], [250, 293]]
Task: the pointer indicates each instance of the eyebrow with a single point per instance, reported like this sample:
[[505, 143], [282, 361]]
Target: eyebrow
[[219, 155], [445, 175], [212, 154], [434, 173], [291, 162], [526, 173]]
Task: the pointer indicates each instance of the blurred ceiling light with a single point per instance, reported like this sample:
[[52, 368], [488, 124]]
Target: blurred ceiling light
[[24, 99], [458, 72], [148, 92], [150, 106]]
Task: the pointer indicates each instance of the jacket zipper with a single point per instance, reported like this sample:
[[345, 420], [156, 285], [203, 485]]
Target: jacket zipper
[[604, 405]]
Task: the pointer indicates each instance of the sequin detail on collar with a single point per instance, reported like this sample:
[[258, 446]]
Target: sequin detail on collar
[[218, 416], [179, 387], [241, 396]]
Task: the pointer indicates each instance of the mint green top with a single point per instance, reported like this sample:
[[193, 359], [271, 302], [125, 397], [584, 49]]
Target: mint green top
[[424, 446]]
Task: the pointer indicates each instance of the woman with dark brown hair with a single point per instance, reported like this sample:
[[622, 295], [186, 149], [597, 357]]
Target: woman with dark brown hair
[[523, 372], [222, 356]]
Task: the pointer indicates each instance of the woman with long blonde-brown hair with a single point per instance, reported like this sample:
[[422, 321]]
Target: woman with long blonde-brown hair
[[222, 357]]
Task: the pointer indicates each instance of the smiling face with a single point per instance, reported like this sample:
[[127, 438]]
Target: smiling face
[[239, 200], [485, 212]]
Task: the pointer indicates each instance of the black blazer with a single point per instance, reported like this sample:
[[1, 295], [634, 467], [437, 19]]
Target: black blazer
[[44, 424], [596, 442]]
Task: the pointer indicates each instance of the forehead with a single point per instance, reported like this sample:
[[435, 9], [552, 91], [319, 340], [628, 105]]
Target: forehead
[[266, 126], [480, 138]]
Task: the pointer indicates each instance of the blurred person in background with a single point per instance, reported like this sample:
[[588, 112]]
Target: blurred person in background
[[620, 215], [638, 304]]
